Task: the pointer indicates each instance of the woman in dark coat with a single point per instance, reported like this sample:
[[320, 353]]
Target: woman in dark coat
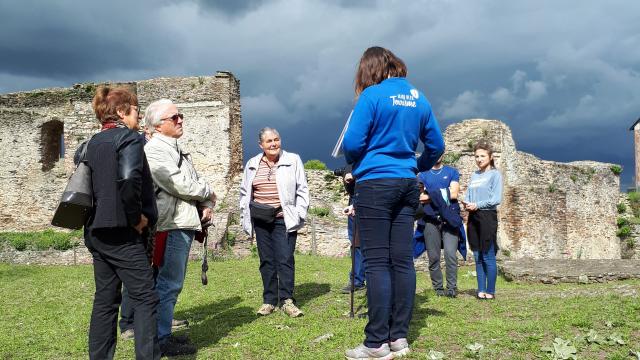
[[124, 208]]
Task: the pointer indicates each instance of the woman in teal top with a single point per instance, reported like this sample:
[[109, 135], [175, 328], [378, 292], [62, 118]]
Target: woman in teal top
[[483, 196]]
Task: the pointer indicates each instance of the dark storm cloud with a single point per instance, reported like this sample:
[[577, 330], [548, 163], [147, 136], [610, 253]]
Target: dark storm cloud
[[231, 7], [563, 75]]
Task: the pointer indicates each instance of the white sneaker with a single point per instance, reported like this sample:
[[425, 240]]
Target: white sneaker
[[400, 347], [362, 352]]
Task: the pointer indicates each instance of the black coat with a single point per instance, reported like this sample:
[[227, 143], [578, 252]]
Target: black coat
[[122, 183]]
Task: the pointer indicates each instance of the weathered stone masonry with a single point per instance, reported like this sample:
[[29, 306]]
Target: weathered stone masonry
[[38, 127], [550, 210]]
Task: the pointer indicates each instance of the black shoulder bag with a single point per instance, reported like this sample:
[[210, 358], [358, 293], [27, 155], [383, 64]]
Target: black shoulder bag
[[76, 203]]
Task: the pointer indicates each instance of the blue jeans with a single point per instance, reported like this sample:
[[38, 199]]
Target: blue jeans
[[384, 211], [276, 249], [358, 266], [486, 269], [171, 277]]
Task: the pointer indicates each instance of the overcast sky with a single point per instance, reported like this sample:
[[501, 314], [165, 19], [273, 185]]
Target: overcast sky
[[564, 75]]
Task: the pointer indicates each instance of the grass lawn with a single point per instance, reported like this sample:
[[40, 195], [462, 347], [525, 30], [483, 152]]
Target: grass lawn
[[46, 310]]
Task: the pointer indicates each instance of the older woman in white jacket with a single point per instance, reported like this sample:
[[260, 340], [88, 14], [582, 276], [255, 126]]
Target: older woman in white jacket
[[274, 198]]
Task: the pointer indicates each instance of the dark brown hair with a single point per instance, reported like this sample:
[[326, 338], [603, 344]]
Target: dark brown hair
[[108, 101], [376, 65], [484, 145]]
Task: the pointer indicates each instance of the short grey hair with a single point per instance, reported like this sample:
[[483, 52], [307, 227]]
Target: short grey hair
[[153, 113], [266, 130]]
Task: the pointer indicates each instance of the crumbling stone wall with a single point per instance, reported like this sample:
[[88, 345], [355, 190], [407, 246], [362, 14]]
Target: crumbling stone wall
[[550, 210], [34, 174]]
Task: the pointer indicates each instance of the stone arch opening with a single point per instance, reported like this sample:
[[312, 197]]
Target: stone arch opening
[[51, 143]]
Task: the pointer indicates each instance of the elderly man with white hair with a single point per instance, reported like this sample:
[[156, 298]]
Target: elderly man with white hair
[[180, 192]]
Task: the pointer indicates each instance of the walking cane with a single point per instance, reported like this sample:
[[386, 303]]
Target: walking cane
[[355, 244]]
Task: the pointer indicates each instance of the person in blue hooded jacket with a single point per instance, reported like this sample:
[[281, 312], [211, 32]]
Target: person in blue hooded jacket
[[389, 119]]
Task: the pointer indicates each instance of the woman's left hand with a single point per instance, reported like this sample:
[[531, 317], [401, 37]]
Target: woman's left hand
[[207, 214], [471, 206]]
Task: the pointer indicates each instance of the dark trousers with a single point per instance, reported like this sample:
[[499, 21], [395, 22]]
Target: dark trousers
[[277, 263], [439, 236], [119, 258], [358, 261], [385, 209], [126, 312]]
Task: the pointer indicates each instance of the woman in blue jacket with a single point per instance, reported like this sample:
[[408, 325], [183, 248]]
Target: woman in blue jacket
[[389, 118]]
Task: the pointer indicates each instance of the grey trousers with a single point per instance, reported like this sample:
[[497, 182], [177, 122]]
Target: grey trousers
[[435, 239]]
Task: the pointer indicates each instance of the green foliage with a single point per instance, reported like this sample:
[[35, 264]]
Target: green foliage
[[230, 238], [624, 232], [621, 208], [329, 177], [506, 252], [561, 350], [41, 240], [470, 145], [254, 250], [435, 355], [631, 243], [315, 165], [616, 169], [573, 177], [552, 188], [634, 201], [622, 222], [451, 158], [474, 350], [320, 211], [201, 80]]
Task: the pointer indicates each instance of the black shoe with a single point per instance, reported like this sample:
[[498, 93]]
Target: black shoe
[[439, 292], [451, 293], [180, 339], [172, 347], [347, 288]]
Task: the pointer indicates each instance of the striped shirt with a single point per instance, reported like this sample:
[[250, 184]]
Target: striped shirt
[[265, 190]]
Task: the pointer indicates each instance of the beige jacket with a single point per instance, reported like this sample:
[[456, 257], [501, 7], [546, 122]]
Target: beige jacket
[[179, 190]]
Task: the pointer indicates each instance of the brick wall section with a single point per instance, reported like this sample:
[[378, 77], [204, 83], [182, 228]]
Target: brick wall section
[[549, 209], [213, 128]]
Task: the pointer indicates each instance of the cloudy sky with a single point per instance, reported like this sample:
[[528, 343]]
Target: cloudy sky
[[564, 75]]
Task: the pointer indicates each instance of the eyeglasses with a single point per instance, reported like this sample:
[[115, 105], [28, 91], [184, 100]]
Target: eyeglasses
[[174, 117], [138, 110]]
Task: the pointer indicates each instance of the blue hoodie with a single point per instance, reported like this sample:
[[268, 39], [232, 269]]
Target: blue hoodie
[[387, 122]]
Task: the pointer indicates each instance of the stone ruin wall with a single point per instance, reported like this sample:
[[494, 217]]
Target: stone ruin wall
[[33, 176], [550, 210]]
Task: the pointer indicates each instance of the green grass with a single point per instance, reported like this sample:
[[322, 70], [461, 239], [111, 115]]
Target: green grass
[[46, 310], [41, 240]]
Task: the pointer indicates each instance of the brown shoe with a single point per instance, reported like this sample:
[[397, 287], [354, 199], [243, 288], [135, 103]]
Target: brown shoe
[[266, 309], [291, 309]]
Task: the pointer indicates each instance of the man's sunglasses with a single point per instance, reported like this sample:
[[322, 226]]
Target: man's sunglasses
[[174, 118]]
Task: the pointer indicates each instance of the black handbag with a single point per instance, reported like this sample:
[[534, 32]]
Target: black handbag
[[262, 212], [76, 203]]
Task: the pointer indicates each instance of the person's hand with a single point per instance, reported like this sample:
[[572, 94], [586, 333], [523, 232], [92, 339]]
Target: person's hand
[[207, 214], [424, 198], [471, 206], [142, 224], [348, 178], [349, 210]]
